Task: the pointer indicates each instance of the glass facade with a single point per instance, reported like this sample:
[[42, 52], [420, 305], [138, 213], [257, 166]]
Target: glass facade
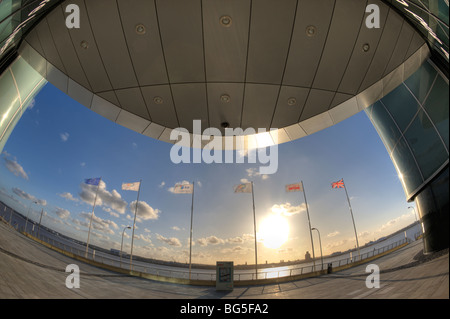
[[18, 86], [16, 18], [413, 123], [430, 17]]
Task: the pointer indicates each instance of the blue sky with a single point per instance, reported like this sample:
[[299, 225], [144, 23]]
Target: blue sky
[[58, 143]]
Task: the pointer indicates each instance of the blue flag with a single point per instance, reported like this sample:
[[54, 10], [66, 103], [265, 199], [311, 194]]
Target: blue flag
[[92, 181]]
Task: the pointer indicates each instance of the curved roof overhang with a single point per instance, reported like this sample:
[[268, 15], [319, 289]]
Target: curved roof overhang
[[154, 66]]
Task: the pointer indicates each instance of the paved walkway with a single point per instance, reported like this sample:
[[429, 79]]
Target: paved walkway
[[30, 270]]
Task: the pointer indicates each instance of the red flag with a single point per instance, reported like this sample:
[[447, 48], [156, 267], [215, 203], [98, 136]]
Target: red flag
[[338, 184]]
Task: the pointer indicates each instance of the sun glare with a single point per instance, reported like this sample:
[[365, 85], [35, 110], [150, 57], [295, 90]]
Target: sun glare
[[274, 231]]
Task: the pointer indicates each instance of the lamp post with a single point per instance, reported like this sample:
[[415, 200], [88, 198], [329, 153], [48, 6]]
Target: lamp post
[[415, 213], [29, 210], [121, 245], [320, 243]]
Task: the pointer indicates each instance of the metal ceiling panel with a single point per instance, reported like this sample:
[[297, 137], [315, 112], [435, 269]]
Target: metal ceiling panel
[[154, 65], [144, 47], [79, 93], [259, 105], [160, 105], [318, 102], [362, 54], [270, 34], [383, 53], [110, 96], [317, 123], [154, 130], [180, 23], [131, 100], [132, 121], [416, 42], [64, 45], [87, 52], [33, 39], [225, 104], [107, 27], [190, 104], [339, 98], [58, 78], [345, 25], [226, 45], [345, 109], [46, 40], [295, 131], [401, 48], [305, 51], [105, 108], [290, 104]]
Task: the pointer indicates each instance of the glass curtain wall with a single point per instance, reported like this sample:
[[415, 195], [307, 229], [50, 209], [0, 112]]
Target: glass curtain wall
[[18, 85], [413, 123]]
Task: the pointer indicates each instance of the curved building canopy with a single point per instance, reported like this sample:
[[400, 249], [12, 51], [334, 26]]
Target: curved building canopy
[[153, 66]]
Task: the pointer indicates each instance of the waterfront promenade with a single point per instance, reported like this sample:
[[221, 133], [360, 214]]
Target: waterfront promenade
[[30, 270]]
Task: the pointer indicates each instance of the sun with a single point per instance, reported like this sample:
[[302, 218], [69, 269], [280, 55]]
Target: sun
[[273, 231]]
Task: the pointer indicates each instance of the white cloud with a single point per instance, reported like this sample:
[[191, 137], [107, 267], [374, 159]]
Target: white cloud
[[68, 196], [144, 238], [170, 241], [64, 136], [29, 197], [62, 213], [254, 172], [162, 184], [213, 240], [144, 211], [98, 223], [176, 228], [14, 167], [335, 233], [111, 199]]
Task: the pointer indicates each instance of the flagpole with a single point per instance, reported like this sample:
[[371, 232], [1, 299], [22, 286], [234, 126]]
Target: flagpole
[[92, 215], [254, 229], [310, 230], [351, 212], [190, 240], [134, 225]]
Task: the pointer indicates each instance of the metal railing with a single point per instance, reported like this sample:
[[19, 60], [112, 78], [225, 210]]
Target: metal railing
[[210, 275]]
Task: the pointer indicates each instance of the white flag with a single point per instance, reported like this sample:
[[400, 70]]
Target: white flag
[[294, 188], [131, 186], [183, 188], [243, 188]]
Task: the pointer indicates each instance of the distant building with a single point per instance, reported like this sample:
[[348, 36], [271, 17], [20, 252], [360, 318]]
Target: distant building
[[308, 256]]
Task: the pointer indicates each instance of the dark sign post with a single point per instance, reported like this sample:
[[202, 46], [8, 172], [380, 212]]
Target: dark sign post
[[224, 275]]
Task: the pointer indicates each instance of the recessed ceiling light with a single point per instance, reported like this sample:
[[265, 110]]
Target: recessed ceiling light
[[366, 47], [291, 101], [158, 100], [84, 44], [225, 98], [310, 30], [140, 29], [225, 124], [225, 21]]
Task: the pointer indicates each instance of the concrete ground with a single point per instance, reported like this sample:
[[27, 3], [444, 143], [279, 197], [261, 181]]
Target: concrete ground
[[30, 270]]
